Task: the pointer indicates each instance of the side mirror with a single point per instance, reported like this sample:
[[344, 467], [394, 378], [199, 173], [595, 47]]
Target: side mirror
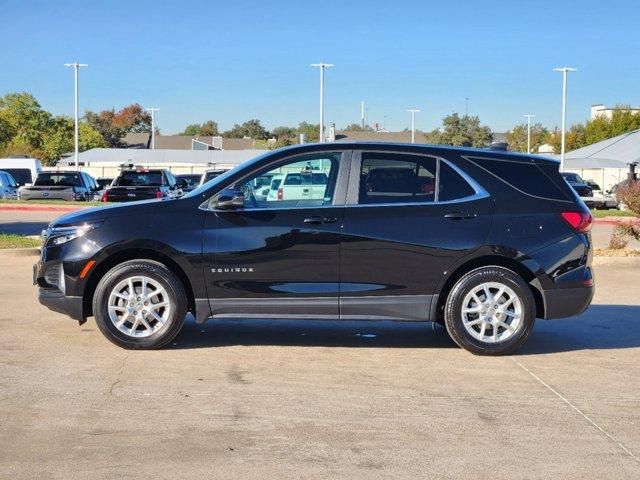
[[228, 200]]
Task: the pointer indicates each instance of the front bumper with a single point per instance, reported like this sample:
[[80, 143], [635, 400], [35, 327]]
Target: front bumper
[[566, 302], [55, 300]]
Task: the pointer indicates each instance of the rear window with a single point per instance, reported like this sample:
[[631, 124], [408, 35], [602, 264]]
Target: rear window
[[275, 183], [139, 179], [319, 179], [526, 177], [55, 179], [210, 176]]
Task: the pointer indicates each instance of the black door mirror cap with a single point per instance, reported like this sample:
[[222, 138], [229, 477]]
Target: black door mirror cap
[[229, 200]]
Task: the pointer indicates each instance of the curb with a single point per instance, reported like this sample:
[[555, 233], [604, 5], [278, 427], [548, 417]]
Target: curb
[[615, 220], [39, 208], [600, 261], [19, 252]]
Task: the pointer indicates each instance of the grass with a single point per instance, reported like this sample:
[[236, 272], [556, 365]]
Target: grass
[[8, 240], [612, 213], [51, 202]]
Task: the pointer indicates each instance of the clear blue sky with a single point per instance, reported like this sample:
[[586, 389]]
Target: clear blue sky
[[235, 60]]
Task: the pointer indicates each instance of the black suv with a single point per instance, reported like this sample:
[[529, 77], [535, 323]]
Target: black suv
[[480, 241], [139, 183]]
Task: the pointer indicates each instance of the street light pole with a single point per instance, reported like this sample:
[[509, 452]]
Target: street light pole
[[362, 113], [529, 117], [564, 71], [75, 66], [413, 123], [466, 106], [322, 66], [153, 126]]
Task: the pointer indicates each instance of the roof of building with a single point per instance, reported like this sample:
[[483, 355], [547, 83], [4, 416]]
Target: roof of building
[[117, 156], [614, 152], [378, 136], [183, 142]]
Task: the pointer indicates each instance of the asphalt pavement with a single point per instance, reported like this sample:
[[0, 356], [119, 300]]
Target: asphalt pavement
[[293, 399]]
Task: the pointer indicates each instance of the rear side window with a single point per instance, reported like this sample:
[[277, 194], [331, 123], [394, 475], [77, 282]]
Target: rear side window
[[139, 179], [397, 178], [526, 177]]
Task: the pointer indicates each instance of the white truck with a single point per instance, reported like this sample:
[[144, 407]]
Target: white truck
[[304, 185], [23, 169]]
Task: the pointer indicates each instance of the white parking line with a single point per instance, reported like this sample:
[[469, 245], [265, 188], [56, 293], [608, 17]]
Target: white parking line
[[594, 424]]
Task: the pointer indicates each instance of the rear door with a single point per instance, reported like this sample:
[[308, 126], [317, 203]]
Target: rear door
[[408, 219]]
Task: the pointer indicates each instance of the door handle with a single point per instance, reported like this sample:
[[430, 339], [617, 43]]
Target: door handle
[[460, 216], [319, 220]]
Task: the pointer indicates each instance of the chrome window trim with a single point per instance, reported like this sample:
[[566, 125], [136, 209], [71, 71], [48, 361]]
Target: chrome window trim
[[344, 160], [480, 192]]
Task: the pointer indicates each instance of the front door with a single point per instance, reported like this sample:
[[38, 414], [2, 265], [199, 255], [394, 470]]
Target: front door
[[410, 219], [278, 253]]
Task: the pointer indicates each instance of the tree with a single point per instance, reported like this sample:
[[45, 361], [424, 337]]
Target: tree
[[311, 132], [191, 130], [113, 126], [208, 128], [22, 120], [517, 137], [59, 139], [356, 127], [251, 129], [459, 131]]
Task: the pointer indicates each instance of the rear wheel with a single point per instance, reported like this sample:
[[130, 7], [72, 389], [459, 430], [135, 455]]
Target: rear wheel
[[140, 304], [490, 311]]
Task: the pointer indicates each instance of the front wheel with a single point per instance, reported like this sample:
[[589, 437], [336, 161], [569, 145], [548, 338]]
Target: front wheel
[[140, 304], [490, 311]]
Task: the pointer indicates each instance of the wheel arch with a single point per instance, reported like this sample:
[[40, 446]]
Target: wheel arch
[[517, 267], [133, 254]]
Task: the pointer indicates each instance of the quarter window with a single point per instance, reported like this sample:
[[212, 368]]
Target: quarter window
[[452, 185]]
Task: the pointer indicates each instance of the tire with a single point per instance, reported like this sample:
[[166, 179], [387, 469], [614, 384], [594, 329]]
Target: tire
[[466, 326], [159, 313]]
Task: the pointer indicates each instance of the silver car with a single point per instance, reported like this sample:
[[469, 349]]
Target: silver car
[[8, 187], [60, 185]]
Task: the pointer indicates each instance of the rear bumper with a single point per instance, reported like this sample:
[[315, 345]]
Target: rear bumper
[[566, 302], [55, 300]]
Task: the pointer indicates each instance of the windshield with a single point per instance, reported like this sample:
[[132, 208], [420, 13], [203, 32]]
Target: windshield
[[139, 179], [9, 180], [57, 179]]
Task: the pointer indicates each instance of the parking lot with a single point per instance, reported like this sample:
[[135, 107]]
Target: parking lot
[[286, 399]]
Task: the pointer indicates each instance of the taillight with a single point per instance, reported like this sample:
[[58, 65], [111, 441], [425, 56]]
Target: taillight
[[159, 194], [105, 196], [579, 221], [280, 194]]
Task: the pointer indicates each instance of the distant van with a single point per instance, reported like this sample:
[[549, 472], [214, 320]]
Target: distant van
[[23, 169]]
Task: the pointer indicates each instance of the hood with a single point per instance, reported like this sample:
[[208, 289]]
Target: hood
[[99, 214]]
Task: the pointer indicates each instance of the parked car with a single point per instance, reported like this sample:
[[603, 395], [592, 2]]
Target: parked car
[[22, 168], [600, 199], [8, 186], [61, 185], [188, 181], [302, 185], [581, 187], [104, 183], [210, 175], [500, 241], [139, 183]]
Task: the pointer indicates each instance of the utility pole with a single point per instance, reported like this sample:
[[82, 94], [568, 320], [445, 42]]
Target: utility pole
[[362, 113], [322, 66], [153, 126], [413, 123], [529, 117], [564, 71], [75, 66], [466, 106]]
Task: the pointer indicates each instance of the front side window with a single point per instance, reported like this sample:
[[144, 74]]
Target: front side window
[[305, 181], [397, 178]]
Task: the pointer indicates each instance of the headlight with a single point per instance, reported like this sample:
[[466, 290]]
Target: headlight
[[60, 235]]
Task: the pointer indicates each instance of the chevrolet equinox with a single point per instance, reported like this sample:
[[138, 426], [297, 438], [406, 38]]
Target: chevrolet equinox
[[481, 241]]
